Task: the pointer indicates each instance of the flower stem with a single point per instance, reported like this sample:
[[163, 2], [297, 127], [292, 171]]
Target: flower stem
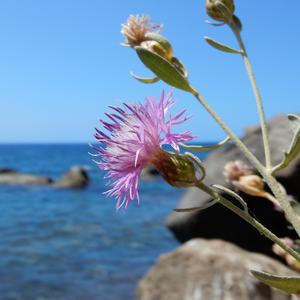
[[279, 194], [256, 163], [248, 218], [257, 95]]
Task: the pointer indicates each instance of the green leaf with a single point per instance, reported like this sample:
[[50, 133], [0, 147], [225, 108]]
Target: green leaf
[[179, 66], [237, 22], [197, 209], [221, 47], [290, 285], [205, 148], [294, 149], [163, 69], [144, 79], [165, 44], [232, 194]]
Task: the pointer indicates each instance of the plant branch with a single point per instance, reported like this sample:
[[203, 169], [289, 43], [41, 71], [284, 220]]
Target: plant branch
[[249, 219], [257, 95], [279, 194]]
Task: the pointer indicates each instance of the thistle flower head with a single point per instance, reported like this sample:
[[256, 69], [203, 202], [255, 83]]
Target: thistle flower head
[[136, 29], [137, 134], [233, 170]]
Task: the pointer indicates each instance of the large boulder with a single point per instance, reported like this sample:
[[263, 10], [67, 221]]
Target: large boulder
[[217, 221], [77, 177], [210, 270]]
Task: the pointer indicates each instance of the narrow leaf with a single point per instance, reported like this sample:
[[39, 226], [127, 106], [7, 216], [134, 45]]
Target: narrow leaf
[[232, 194], [205, 148], [237, 23], [196, 161], [221, 47], [294, 149], [163, 69], [195, 209], [290, 285], [215, 24], [144, 79]]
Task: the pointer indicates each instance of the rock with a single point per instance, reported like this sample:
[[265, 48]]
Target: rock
[[217, 221], [149, 173], [7, 170], [210, 270], [12, 177], [77, 177]]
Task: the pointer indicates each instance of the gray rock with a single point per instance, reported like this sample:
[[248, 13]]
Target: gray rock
[[210, 270], [77, 177], [12, 177], [217, 221], [7, 170], [149, 173]]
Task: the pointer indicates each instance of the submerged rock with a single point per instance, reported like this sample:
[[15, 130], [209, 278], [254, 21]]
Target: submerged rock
[[210, 270], [219, 222]]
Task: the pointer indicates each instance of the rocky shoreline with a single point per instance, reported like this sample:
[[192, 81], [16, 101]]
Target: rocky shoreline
[[76, 177]]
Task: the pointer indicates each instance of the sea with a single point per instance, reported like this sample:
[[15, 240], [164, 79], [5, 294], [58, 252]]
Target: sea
[[67, 244]]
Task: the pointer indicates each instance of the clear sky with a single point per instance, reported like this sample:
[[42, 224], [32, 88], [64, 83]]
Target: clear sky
[[61, 64]]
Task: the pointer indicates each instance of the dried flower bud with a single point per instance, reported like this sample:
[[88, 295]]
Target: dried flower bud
[[220, 10], [177, 169], [281, 252], [233, 170], [136, 29], [290, 260], [251, 184]]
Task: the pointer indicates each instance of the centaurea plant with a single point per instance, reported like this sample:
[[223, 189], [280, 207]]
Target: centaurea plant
[[137, 133]]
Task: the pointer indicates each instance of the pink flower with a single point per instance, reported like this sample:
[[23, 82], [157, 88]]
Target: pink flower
[[137, 134]]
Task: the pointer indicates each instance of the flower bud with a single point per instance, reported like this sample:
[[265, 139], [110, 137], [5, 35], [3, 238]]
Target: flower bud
[[157, 48], [177, 169], [251, 184], [233, 170], [136, 29], [220, 10], [290, 260]]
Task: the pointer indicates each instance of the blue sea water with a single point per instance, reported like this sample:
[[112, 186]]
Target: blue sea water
[[62, 244]]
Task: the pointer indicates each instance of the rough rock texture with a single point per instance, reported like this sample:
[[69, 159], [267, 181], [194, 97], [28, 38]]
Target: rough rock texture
[[210, 270], [77, 177], [218, 222]]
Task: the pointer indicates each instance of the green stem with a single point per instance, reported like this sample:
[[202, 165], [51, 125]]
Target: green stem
[[256, 163], [279, 194], [245, 216], [257, 95]]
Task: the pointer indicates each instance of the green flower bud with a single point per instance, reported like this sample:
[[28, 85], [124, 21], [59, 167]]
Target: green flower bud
[[220, 10], [177, 169]]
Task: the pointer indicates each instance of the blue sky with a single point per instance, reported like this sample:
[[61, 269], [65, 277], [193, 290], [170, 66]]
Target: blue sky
[[61, 64]]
